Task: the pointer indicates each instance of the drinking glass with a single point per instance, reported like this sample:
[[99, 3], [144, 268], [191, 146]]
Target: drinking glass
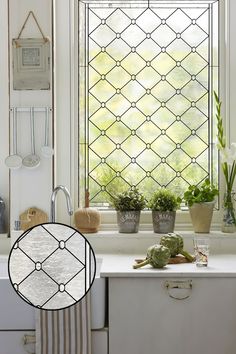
[[201, 249]]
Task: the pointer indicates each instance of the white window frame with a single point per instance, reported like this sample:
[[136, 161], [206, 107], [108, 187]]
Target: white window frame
[[66, 104]]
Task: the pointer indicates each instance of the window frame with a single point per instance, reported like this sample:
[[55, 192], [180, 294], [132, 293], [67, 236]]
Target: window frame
[[66, 170], [88, 122]]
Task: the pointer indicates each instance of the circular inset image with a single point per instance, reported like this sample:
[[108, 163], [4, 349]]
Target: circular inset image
[[52, 266]]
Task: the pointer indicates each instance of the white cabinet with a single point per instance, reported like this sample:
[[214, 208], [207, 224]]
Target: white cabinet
[[143, 318], [15, 342], [14, 312], [16, 322]]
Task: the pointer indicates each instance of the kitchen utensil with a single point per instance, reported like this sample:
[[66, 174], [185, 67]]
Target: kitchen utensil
[[2, 216], [17, 225], [14, 161], [32, 160], [31, 217], [46, 150]]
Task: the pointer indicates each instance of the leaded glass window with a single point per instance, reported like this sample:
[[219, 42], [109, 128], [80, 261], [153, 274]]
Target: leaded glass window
[[147, 74]]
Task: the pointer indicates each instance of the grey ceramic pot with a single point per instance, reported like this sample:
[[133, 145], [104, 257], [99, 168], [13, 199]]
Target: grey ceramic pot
[[163, 221], [128, 221]]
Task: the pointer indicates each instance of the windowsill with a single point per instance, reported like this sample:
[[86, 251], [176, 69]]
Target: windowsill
[[144, 234], [111, 241]]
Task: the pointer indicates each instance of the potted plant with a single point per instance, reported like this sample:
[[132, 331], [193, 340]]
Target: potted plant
[[228, 164], [164, 205], [128, 206], [201, 201]]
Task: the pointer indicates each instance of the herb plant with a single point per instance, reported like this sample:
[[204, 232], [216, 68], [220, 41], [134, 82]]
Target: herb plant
[[129, 200], [164, 200], [204, 193]]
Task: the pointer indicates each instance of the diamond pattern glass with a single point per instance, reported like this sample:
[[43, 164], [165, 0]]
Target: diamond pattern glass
[[51, 266], [149, 83]]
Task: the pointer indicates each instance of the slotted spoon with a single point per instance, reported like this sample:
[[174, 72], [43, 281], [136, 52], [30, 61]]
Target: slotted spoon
[[32, 160]]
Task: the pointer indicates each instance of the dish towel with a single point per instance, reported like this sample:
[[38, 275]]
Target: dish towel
[[65, 331]]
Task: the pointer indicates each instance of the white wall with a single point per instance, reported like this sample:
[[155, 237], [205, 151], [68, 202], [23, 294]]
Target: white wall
[[33, 188], [28, 188], [4, 103], [65, 74]]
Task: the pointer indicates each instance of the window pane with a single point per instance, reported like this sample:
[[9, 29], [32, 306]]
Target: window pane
[[146, 112]]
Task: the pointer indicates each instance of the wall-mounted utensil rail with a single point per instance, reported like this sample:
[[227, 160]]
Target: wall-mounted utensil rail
[[14, 161], [27, 109]]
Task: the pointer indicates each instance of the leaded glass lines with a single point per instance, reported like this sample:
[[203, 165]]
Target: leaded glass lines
[[148, 97]]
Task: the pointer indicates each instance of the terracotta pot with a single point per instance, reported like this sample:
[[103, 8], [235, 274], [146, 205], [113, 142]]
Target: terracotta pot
[[163, 221], [201, 216]]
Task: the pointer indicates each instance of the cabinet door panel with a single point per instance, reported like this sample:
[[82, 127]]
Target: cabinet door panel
[[12, 342], [143, 318], [15, 313]]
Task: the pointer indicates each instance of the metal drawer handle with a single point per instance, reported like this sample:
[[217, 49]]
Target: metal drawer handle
[[178, 284], [29, 339]]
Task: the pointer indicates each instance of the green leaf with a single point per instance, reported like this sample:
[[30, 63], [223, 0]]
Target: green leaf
[[164, 200], [204, 193]]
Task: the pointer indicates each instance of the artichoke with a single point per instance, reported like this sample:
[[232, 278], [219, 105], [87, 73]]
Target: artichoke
[[157, 255], [175, 243]]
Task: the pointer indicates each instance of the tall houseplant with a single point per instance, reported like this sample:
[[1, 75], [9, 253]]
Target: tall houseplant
[[201, 201], [164, 205], [228, 163], [128, 206]]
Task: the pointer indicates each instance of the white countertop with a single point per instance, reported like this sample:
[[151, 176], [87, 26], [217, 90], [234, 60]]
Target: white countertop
[[122, 266]]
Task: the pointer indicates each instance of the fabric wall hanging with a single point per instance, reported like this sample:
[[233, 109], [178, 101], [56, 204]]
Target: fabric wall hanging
[[31, 61]]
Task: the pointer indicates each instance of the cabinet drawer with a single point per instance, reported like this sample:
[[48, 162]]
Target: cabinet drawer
[[147, 317], [14, 312], [12, 342]]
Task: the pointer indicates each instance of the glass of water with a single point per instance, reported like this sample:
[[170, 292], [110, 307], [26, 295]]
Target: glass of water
[[201, 249]]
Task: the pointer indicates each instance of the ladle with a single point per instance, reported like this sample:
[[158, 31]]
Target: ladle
[[32, 160], [46, 150], [14, 161]]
